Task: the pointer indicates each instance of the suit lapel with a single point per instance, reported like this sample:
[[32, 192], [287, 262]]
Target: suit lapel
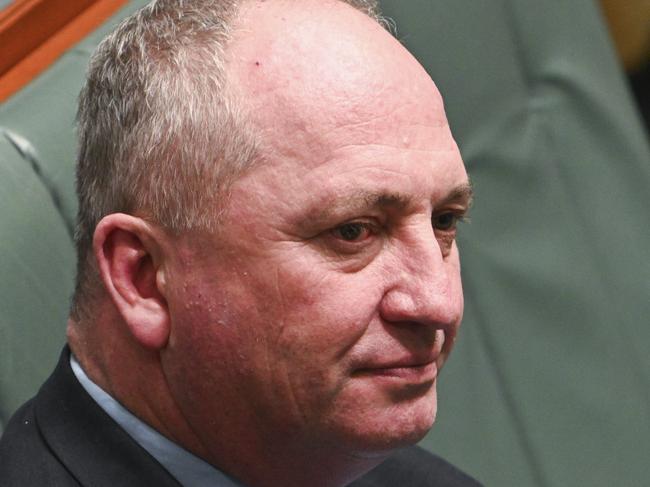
[[95, 449]]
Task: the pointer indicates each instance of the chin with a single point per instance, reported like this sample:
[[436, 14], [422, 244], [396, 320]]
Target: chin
[[382, 443], [380, 430]]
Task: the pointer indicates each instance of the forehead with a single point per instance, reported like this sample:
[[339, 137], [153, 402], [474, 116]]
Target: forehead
[[314, 67], [336, 98]]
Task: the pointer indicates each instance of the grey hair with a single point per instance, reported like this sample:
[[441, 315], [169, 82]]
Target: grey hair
[[161, 134]]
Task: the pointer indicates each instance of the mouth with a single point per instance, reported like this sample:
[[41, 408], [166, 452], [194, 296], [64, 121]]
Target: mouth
[[413, 366], [415, 372]]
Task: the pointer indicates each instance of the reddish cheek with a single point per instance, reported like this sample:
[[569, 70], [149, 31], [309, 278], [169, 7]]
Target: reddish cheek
[[323, 319], [202, 316]]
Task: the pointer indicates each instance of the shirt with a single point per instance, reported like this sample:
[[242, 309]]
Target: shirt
[[188, 469]]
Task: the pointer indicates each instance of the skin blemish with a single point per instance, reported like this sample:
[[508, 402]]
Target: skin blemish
[[257, 63]]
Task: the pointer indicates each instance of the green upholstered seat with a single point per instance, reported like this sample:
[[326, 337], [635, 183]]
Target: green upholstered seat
[[37, 268], [550, 381], [37, 212]]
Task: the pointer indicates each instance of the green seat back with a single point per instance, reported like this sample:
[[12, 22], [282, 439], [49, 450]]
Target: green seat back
[[37, 268], [550, 381], [37, 213]]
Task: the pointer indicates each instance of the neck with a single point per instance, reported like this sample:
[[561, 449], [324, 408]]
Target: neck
[[243, 449], [132, 375]]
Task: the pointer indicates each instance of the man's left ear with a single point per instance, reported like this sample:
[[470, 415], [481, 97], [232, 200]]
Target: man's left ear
[[130, 256]]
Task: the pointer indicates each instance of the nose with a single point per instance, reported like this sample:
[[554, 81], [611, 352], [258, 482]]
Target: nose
[[423, 286]]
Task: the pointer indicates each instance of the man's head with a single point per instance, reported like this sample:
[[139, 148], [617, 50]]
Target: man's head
[[161, 133], [309, 319]]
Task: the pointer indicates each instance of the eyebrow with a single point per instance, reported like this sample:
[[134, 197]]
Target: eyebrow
[[463, 193], [362, 200], [356, 202]]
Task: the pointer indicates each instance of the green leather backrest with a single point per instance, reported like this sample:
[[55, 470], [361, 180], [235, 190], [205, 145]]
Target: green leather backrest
[[550, 381], [37, 267], [37, 212]]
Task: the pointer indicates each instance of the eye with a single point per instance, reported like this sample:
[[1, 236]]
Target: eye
[[352, 232], [445, 225], [445, 221]]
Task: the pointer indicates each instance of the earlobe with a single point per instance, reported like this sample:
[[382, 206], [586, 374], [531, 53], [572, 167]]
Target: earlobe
[[129, 257]]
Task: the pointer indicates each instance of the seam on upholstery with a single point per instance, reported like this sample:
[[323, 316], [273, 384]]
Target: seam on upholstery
[[515, 39], [28, 153]]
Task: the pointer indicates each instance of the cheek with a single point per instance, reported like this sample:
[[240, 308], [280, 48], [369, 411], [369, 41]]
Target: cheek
[[317, 332], [283, 333], [311, 329], [324, 314]]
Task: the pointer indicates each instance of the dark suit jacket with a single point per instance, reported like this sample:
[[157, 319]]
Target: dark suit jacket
[[63, 438]]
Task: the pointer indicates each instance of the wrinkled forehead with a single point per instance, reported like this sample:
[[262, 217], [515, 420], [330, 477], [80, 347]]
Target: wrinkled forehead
[[314, 69]]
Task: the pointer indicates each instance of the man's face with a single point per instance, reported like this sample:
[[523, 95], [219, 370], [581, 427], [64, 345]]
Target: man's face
[[331, 296]]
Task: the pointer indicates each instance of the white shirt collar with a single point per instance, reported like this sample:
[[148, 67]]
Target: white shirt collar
[[188, 469]]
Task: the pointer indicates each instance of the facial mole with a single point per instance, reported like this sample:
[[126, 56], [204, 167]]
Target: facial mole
[[257, 63]]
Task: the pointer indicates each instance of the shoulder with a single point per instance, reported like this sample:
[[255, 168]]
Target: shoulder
[[415, 467], [25, 459], [63, 438]]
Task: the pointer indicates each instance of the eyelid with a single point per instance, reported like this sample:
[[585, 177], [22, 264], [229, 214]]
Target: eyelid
[[339, 228], [460, 214], [459, 208], [371, 225], [351, 247]]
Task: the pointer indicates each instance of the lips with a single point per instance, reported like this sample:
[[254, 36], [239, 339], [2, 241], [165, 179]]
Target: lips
[[414, 365], [427, 371], [404, 356], [407, 368]]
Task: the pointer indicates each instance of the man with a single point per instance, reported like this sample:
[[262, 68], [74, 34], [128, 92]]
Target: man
[[268, 277]]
